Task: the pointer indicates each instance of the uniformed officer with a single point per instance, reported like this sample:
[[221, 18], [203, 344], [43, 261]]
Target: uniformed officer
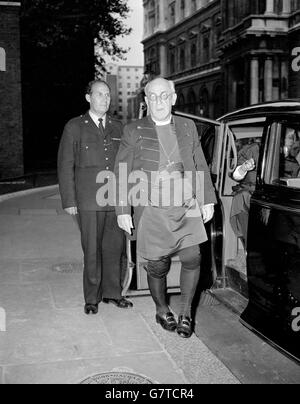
[[160, 146], [88, 147]]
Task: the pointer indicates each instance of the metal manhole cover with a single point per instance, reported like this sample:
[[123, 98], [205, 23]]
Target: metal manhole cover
[[117, 378], [68, 267]]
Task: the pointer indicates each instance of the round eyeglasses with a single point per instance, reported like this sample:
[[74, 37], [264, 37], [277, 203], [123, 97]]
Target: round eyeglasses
[[162, 97]]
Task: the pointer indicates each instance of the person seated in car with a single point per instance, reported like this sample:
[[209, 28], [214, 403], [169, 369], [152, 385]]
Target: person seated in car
[[290, 167], [245, 174]]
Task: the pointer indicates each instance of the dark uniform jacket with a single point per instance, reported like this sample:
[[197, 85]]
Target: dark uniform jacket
[[140, 151], [83, 153]]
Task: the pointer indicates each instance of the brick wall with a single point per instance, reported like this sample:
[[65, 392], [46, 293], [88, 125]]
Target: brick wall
[[11, 141]]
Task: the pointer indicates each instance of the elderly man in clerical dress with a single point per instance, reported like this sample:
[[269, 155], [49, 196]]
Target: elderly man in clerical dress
[[176, 199]]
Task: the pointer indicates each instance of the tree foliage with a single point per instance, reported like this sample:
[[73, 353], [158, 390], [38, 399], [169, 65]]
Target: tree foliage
[[52, 23]]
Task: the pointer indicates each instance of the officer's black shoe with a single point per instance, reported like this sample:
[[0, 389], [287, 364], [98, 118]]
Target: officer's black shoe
[[121, 303], [185, 327], [167, 321], [91, 308]]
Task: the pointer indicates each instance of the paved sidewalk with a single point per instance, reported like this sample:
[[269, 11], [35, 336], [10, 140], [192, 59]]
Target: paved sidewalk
[[48, 339]]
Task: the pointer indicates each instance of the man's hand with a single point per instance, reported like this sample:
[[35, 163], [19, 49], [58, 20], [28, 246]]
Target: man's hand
[[249, 165], [71, 211], [207, 212], [125, 223]]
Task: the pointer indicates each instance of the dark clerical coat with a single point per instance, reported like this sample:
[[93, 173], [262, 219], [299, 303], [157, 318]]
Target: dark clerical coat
[[140, 151]]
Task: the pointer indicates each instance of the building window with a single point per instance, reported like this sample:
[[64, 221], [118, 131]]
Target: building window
[[120, 109], [2, 60], [295, 5], [278, 6], [182, 8], [181, 102], [182, 59], [258, 6], [206, 47], [204, 103], [152, 22], [129, 85], [172, 61], [193, 55], [191, 106], [172, 13], [194, 6]]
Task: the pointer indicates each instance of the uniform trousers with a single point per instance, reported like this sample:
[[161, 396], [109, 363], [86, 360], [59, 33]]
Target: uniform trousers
[[103, 244], [190, 273]]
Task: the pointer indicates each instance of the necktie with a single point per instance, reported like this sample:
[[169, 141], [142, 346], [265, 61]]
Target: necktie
[[101, 127]]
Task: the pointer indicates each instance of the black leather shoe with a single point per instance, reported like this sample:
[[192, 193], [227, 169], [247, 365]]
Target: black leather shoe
[[91, 308], [167, 321], [185, 327], [121, 303]]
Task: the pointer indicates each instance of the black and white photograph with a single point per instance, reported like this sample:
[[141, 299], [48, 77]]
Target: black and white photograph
[[150, 195]]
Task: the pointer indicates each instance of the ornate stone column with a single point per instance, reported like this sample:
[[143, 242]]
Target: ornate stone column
[[284, 79], [163, 60], [254, 79], [286, 6], [270, 7], [268, 79]]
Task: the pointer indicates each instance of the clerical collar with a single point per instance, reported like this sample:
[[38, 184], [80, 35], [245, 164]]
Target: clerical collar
[[167, 122], [95, 118]]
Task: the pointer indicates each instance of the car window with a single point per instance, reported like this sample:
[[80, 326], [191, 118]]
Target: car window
[[247, 135], [248, 139], [286, 170]]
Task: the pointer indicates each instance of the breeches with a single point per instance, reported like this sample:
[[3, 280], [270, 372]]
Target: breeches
[[157, 278], [190, 258]]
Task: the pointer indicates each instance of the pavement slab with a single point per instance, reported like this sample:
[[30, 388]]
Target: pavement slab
[[52, 336], [21, 300], [10, 272], [196, 361], [47, 270], [67, 292], [38, 237], [39, 212], [155, 366], [9, 211]]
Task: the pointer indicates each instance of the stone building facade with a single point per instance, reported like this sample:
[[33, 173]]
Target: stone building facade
[[11, 135], [256, 49], [224, 54]]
